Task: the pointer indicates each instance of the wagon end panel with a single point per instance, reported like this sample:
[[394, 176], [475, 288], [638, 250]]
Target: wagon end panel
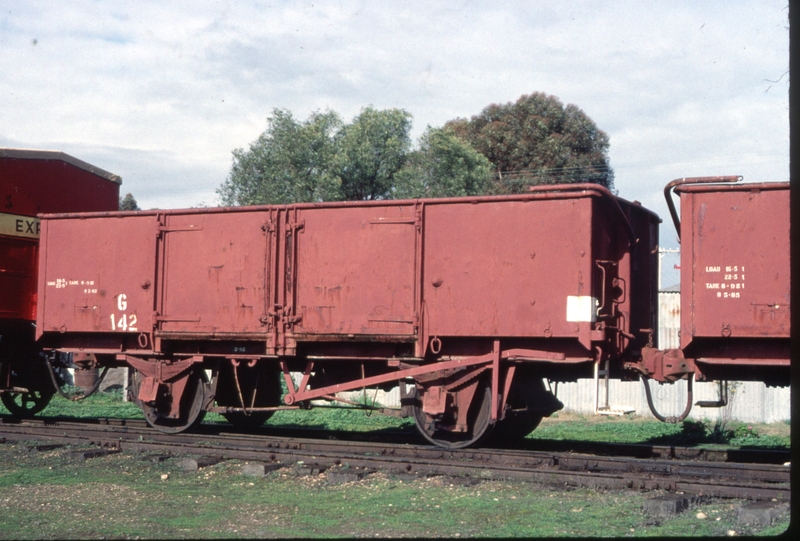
[[626, 253], [736, 279], [351, 271], [96, 277]]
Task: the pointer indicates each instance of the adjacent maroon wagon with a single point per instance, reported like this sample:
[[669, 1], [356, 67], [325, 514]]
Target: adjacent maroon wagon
[[735, 286], [32, 182]]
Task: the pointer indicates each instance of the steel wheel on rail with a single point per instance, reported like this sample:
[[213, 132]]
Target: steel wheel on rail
[[32, 376], [27, 404], [257, 387], [191, 408], [438, 429], [528, 403]]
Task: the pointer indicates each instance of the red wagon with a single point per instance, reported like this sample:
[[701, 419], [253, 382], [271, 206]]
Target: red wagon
[[735, 285], [32, 182], [470, 301]]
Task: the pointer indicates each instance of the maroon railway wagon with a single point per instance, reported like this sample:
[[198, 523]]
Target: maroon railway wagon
[[32, 182], [470, 300]]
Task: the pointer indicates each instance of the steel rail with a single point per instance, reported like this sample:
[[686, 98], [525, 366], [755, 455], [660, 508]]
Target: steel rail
[[692, 476], [266, 434]]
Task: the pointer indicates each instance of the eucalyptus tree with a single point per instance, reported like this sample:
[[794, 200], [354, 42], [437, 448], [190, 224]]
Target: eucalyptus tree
[[537, 140]]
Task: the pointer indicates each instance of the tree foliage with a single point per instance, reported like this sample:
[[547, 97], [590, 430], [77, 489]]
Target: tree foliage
[[319, 159], [538, 141], [443, 166], [128, 202], [370, 151], [289, 162], [533, 141]]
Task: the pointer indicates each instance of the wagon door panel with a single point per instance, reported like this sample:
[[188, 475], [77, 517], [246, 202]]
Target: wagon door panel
[[214, 273], [519, 268], [355, 271]]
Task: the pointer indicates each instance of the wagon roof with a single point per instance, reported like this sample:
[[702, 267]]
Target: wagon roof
[[57, 155]]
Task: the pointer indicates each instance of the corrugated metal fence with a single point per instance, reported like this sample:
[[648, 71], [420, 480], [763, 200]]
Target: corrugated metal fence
[[749, 402]]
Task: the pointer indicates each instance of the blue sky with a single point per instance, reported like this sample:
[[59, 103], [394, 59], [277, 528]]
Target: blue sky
[[162, 92]]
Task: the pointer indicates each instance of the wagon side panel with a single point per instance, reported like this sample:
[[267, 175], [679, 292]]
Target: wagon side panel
[[351, 270], [513, 269], [738, 255]]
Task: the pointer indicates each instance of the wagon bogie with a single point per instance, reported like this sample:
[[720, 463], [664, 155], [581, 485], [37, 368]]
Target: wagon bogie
[[170, 403], [454, 414], [26, 384]]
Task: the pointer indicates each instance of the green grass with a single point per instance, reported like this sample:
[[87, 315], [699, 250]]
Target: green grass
[[99, 404], [48, 495], [348, 419], [637, 430], [616, 430]]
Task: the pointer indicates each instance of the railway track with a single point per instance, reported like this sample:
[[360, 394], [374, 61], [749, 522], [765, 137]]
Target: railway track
[[718, 476]]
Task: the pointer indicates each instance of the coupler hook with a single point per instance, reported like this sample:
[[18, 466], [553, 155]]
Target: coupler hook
[[75, 398], [670, 419]]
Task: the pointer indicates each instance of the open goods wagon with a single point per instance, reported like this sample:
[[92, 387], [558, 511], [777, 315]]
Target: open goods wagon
[[32, 182], [470, 301]]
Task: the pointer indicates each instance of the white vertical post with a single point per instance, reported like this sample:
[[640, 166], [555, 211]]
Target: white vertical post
[[660, 262]]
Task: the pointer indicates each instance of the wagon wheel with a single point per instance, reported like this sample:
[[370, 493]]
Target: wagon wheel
[[259, 388], [521, 416], [31, 375], [528, 403], [27, 404], [478, 420], [191, 405]]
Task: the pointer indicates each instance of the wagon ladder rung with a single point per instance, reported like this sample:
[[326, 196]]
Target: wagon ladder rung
[[605, 409]]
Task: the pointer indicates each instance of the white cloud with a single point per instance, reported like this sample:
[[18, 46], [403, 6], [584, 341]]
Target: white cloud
[[162, 92]]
